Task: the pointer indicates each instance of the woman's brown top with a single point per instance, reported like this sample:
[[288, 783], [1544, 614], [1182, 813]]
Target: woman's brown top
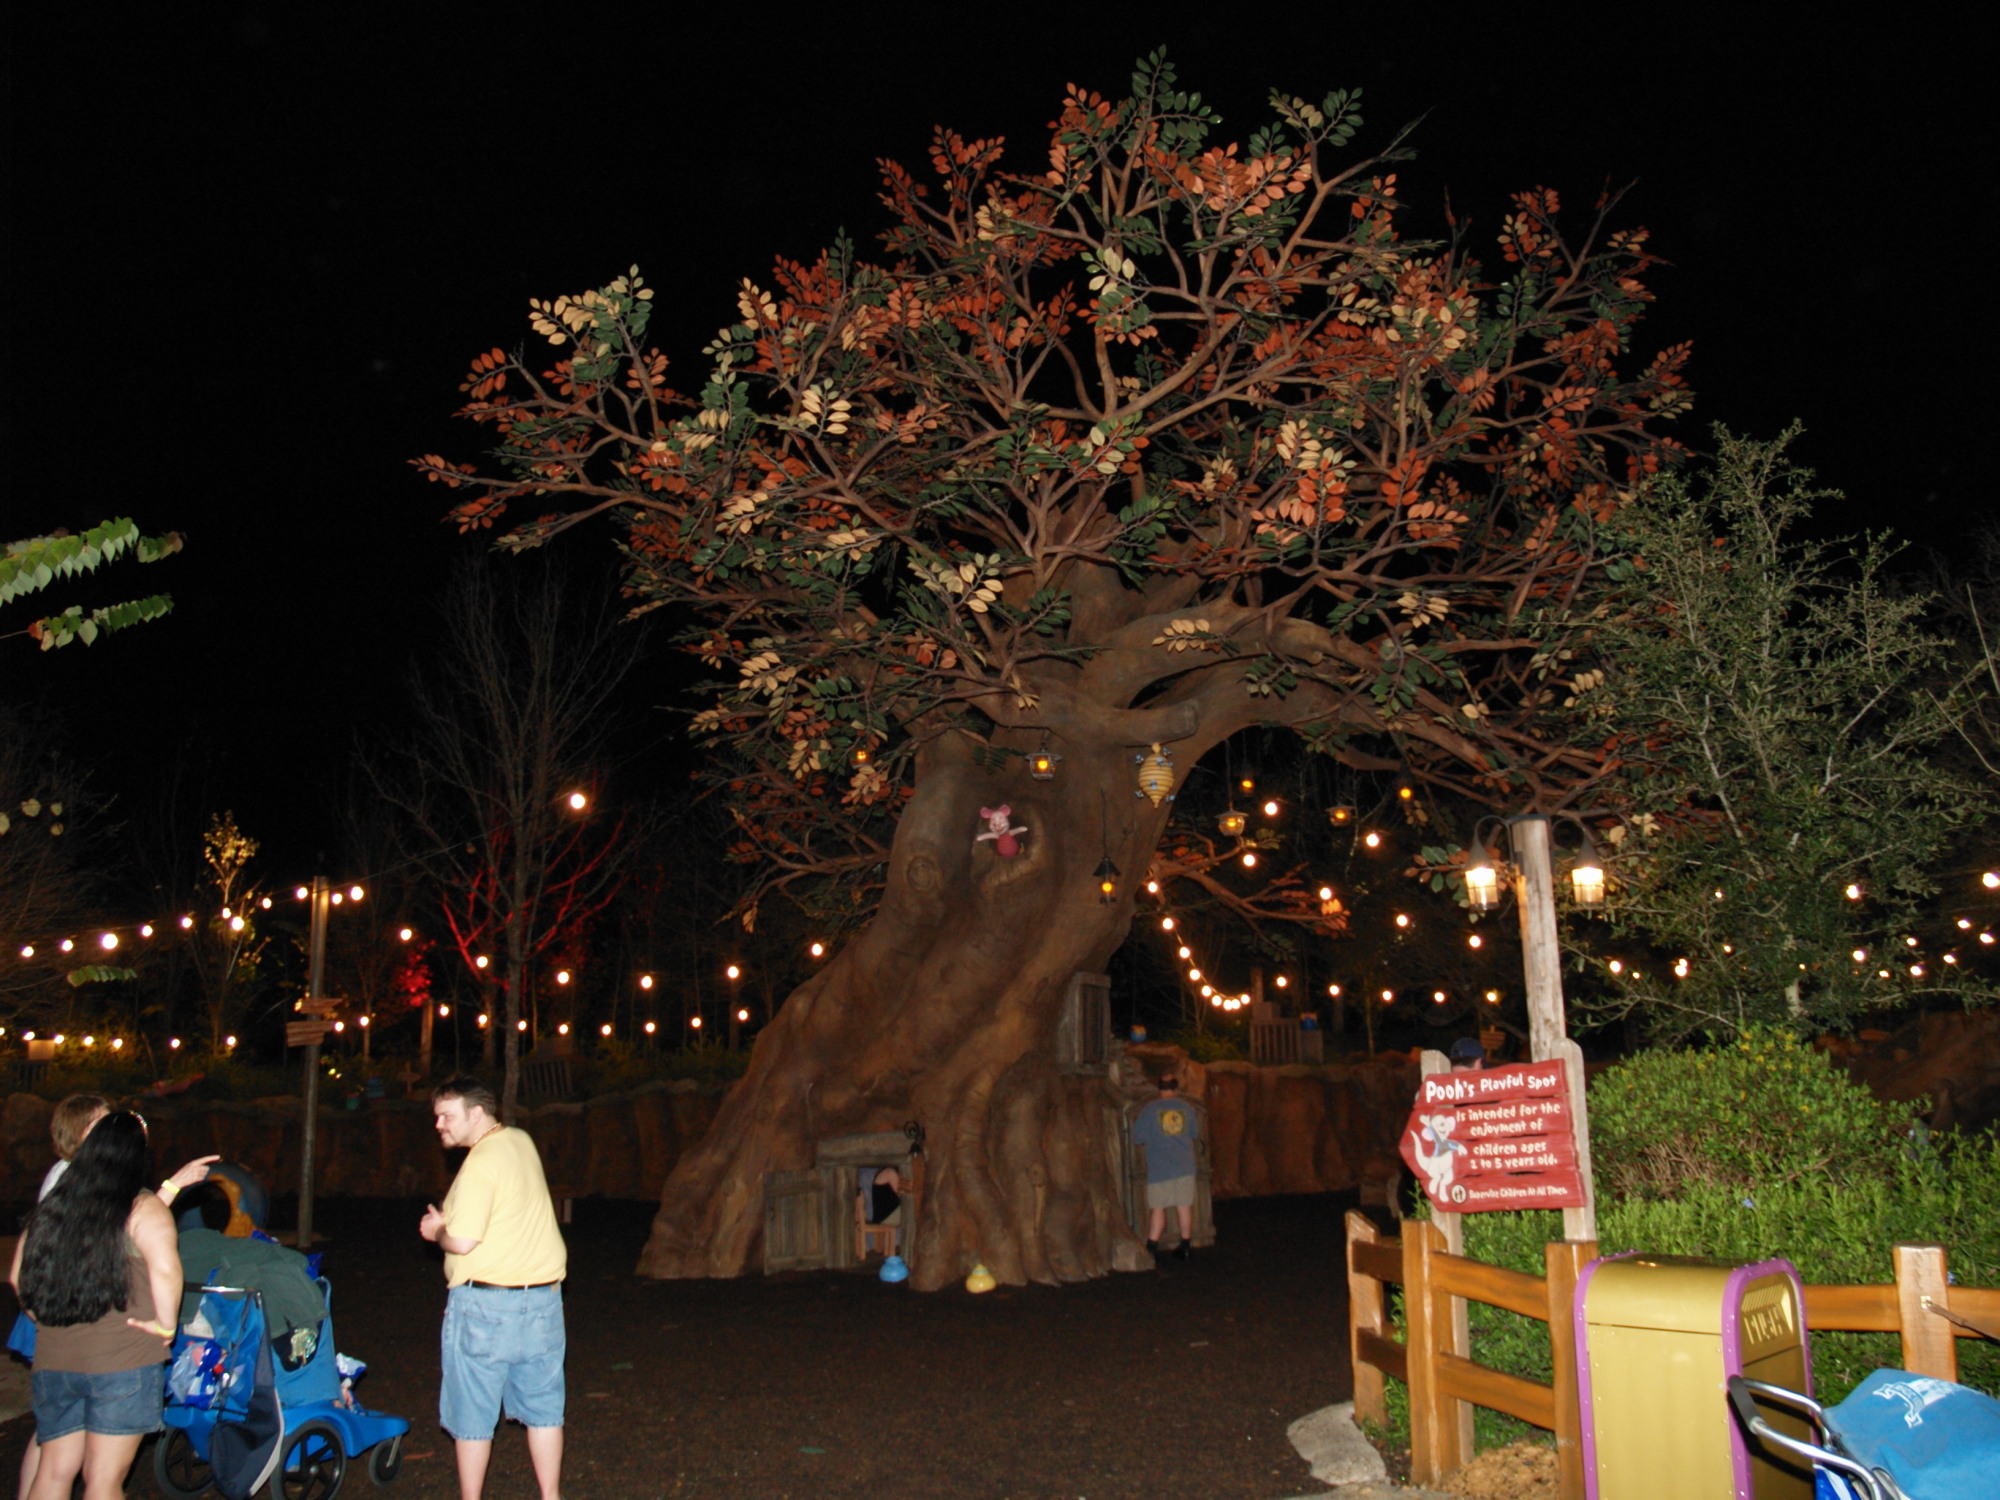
[[108, 1344]]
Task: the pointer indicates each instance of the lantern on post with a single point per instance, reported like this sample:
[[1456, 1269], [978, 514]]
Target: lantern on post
[[1482, 873], [1042, 763], [1340, 814], [1586, 876]]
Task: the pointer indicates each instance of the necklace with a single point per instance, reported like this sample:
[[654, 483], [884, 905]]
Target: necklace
[[484, 1133]]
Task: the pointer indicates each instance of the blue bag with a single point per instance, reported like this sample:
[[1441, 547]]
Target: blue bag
[[1937, 1440], [22, 1338]]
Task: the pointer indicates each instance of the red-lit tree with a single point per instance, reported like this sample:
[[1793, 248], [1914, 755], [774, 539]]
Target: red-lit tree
[[1153, 441], [512, 724]]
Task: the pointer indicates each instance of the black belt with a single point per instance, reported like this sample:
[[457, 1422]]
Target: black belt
[[501, 1286]]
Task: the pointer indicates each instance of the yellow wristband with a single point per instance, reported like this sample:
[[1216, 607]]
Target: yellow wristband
[[170, 1189]]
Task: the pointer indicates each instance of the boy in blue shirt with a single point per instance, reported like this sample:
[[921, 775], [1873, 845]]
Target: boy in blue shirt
[[1168, 1128]]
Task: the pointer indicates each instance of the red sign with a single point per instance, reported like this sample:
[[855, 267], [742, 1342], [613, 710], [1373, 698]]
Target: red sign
[[1495, 1138]]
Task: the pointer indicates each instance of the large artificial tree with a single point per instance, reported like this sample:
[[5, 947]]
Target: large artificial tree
[[1146, 442]]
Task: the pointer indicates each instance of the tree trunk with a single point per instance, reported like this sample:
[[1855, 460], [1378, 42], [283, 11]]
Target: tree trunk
[[943, 1011]]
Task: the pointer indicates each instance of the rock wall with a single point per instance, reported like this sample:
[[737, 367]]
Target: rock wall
[[1271, 1130], [619, 1146], [1951, 1058]]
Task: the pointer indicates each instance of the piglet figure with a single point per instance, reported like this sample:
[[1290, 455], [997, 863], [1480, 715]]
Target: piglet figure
[[997, 829]]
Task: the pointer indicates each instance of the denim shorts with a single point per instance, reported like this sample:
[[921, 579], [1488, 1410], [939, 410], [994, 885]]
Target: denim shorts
[[121, 1404], [502, 1349]]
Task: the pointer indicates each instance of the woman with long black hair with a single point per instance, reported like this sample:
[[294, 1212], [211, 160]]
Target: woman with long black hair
[[99, 1269]]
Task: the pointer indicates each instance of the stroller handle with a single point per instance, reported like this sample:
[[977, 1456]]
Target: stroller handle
[[1743, 1390]]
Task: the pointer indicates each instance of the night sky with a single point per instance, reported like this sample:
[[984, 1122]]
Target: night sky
[[251, 248]]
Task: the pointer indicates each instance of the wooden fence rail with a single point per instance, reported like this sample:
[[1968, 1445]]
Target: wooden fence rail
[[1445, 1382]]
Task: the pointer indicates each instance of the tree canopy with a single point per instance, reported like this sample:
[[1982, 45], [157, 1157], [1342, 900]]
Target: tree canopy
[[1154, 439]]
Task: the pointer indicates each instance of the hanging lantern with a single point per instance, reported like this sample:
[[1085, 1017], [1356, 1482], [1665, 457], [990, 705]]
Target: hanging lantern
[[1232, 823], [1586, 876], [1042, 764], [1106, 876], [1156, 774], [1340, 814], [862, 755]]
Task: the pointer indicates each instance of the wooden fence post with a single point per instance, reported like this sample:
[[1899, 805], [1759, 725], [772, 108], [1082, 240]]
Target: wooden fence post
[[1452, 1226], [1565, 1260], [1365, 1312], [1929, 1344], [1435, 1449]]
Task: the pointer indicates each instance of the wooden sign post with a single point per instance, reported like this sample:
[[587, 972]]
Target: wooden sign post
[[1548, 1029]]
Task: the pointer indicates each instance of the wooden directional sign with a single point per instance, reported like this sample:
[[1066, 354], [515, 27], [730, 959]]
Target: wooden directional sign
[[306, 1033], [323, 1006], [1495, 1138]]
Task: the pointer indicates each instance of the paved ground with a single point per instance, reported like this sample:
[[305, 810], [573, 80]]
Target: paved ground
[[829, 1386]]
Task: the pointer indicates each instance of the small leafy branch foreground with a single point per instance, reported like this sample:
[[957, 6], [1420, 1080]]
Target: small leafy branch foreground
[[31, 565]]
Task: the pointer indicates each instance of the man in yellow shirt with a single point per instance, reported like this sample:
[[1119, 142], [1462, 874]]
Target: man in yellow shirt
[[504, 1261]]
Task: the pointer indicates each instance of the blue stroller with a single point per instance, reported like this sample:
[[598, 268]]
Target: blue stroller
[[1897, 1437], [221, 1375]]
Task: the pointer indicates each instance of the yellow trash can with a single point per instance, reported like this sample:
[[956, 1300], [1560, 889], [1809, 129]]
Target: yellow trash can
[[1658, 1337]]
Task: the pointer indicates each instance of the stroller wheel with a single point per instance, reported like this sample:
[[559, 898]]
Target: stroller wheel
[[311, 1465], [178, 1470], [385, 1460]]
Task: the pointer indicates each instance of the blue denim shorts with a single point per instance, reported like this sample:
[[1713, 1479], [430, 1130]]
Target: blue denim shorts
[[502, 1349], [120, 1404]]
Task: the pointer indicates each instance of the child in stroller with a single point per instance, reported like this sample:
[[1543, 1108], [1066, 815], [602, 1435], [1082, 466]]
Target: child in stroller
[[292, 1429]]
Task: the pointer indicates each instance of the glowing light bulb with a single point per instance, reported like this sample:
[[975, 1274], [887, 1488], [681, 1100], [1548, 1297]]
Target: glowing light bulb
[[1208, 989], [335, 898], [174, 1043], [229, 1041], [1249, 860], [562, 976], [444, 1010], [90, 1041], [1616, 966], [733, 972], [1184, 951], [605, 1029], [363, 1023], [1916, 971], [1965, 924], [1282, 981], [1492, 997], [27, 950], [265, 903], [1475, 941], [187, 922], [1986, 937], [1214, 999], [1680, 968], [817, 950], [1991, 880], [1271, 808], [1388, 997], [695, 1022], [649, 1028], [481, 962], [520, 1025], [1194, 976], [562, 1028], [1152, 887], [235, 924], [578, 801], [743, 1015], [645, 981], [300, 894], [1854, 893], [340, 1026], [404, 934], [1402, 920], [146, 930], [482, 1018], [355, 893], [1166, 924], [1333, 991], [1372, 839], [67, 945]]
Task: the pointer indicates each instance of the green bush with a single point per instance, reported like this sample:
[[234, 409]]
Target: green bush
[[1753, 1151], [1206, 1046]]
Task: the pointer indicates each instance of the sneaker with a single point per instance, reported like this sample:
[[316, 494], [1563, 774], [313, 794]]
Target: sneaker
[[1183, 1251], [1153, 1248]]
